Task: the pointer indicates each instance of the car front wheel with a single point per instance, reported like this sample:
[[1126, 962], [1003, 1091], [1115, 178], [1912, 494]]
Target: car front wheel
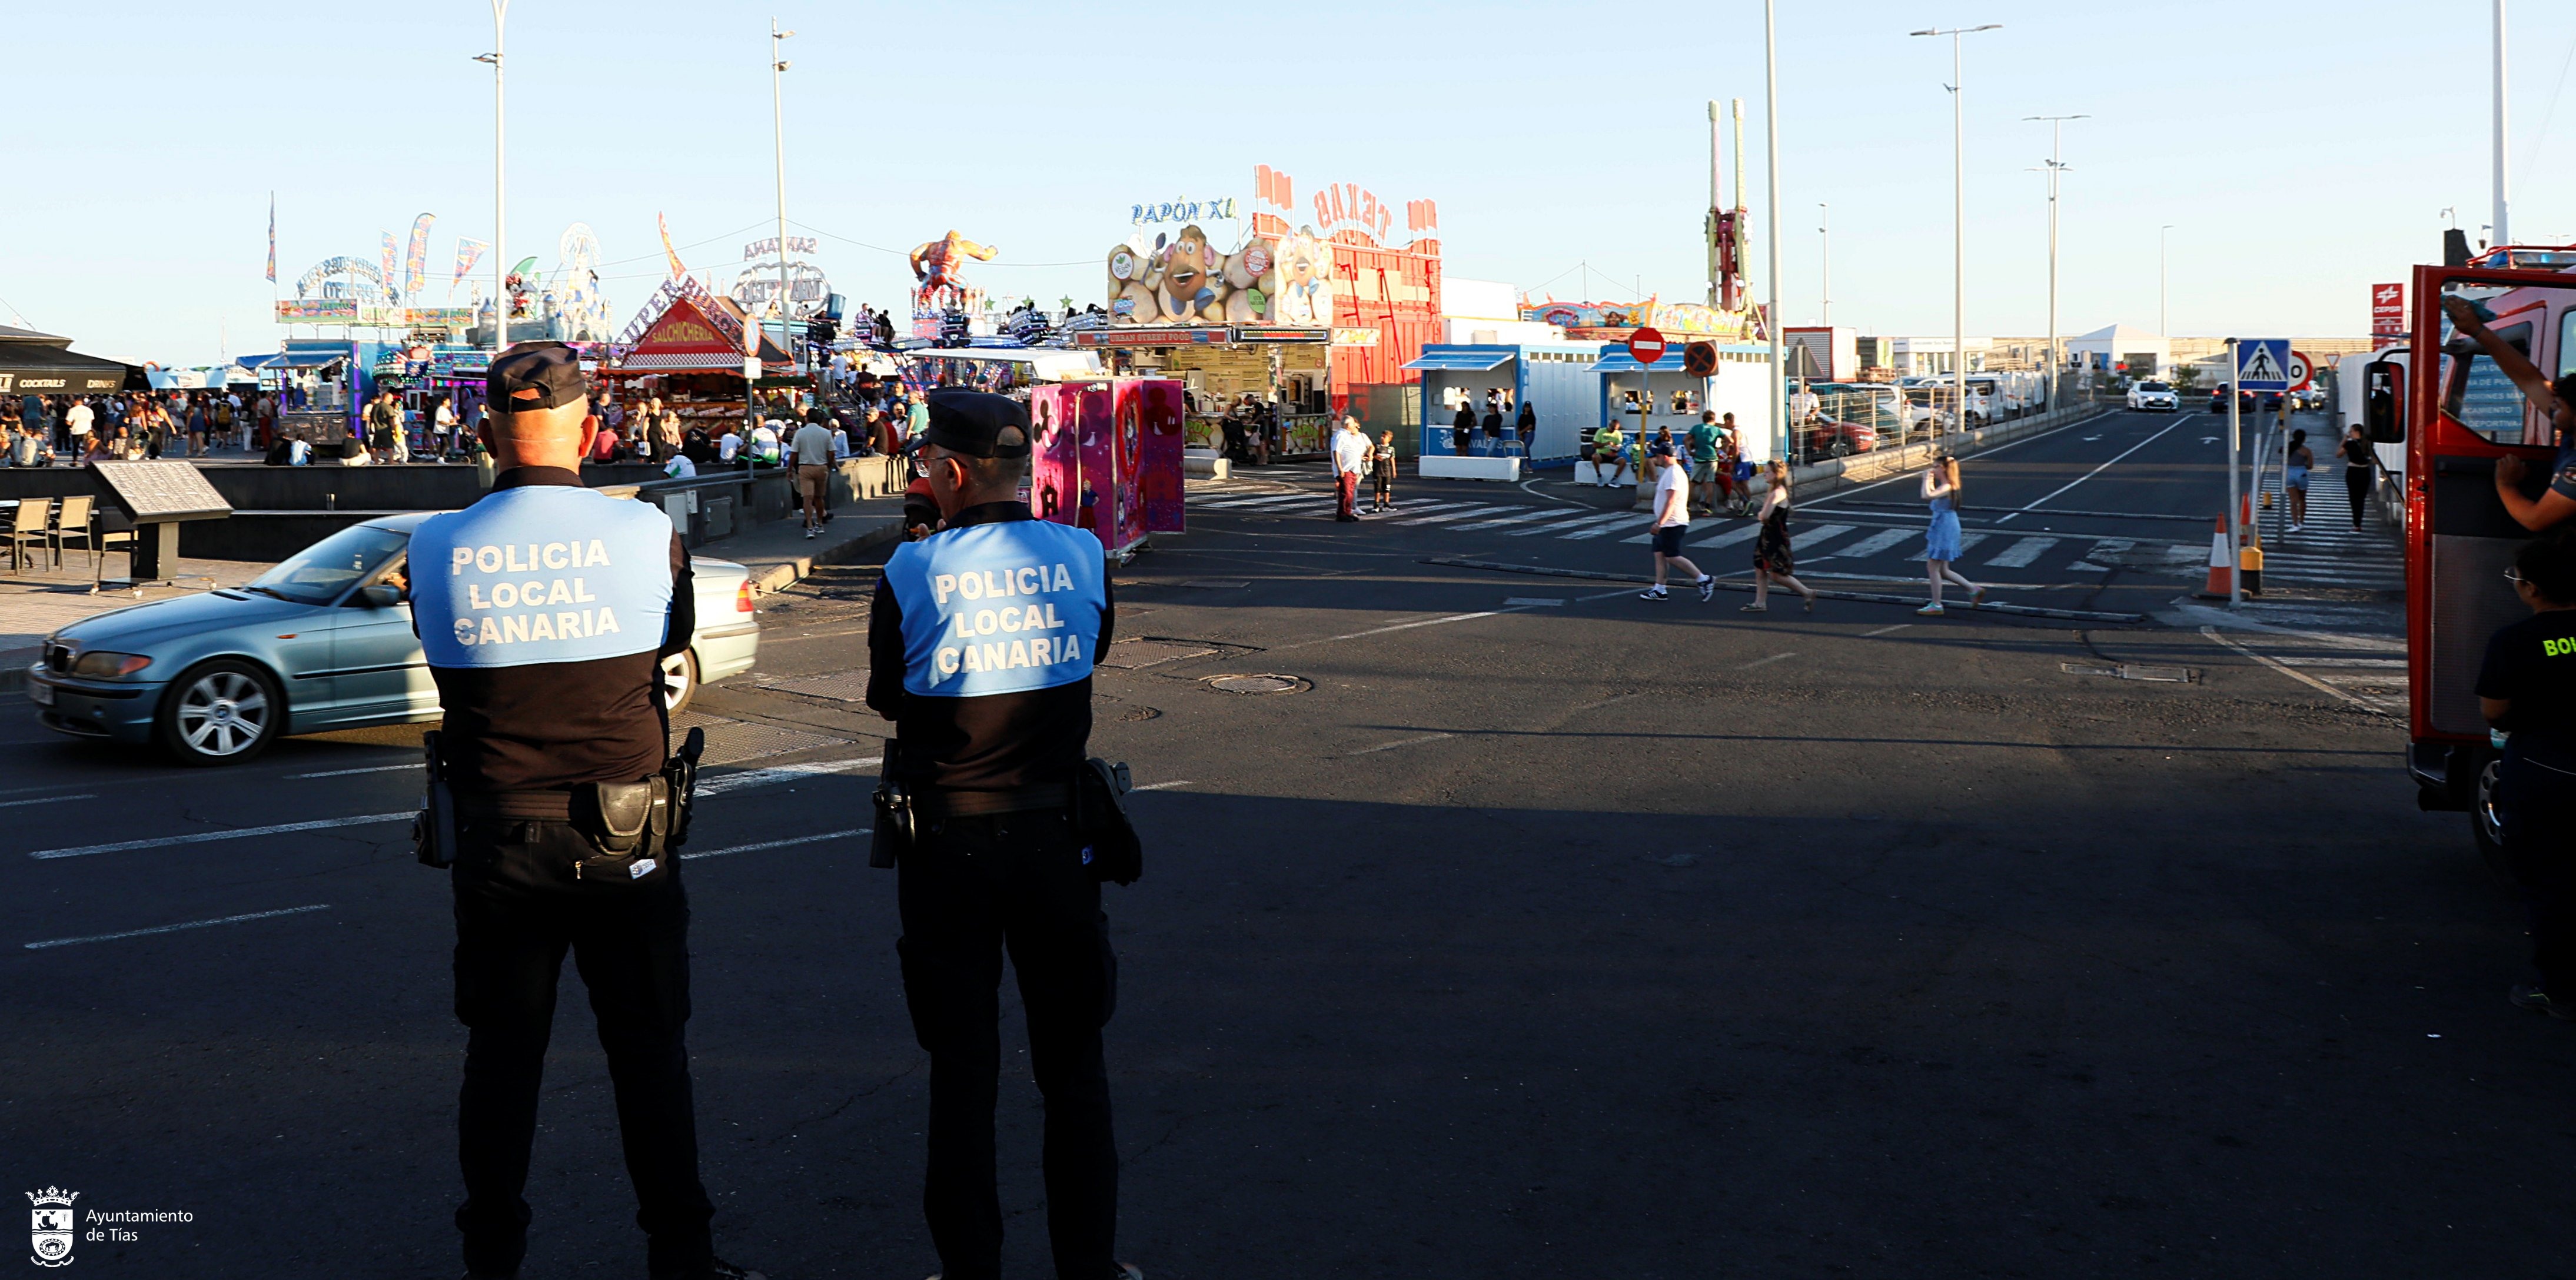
[[679, 679], [221, 712]]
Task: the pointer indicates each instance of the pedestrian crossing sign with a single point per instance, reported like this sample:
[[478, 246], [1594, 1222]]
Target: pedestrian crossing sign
[[2263, 364]]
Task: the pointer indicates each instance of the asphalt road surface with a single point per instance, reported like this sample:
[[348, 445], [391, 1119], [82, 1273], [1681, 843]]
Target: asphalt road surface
[[1535, 930]]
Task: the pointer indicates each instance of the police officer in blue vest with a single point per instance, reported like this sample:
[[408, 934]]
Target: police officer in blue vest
[[545, 610], [981, 645]]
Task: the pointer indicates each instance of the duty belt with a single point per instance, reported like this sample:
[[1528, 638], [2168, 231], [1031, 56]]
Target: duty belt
[[968, 804], [529, 806]]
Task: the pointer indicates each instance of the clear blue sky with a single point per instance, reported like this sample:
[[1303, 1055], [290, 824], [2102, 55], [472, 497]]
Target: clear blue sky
[[2303, 150]]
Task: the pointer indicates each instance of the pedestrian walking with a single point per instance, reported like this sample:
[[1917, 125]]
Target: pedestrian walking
[[2296, 462], [2358, 473], [1672, 522], [2527, 689], [991, 853], [1773, 560], [1382, 470], [553, 762], [1350, 457], [1941, 540], [813, 474], [1702, 443]]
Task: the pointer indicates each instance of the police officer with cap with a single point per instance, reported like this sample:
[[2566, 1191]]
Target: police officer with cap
[[981, 645], [545, 610]]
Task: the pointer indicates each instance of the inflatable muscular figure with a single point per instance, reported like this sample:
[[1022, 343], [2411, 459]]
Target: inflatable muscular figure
[[937, 263]]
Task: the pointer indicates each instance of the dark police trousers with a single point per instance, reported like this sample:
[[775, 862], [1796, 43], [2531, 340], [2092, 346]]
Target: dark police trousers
[[519, 907], [969, 888], [2537, 805]]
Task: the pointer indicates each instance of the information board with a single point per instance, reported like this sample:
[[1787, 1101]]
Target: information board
[[150, 492]]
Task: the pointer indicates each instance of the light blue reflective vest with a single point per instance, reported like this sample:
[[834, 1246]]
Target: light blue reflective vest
[[543, 573], [1006, 607]]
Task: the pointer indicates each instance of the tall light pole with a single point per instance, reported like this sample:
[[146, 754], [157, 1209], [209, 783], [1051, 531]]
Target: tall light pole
[[1771, 161], [778, 145], [2164, 324], [2502, 173], [2055, 167], [1825, 235], [1958, 215], [500, 192]]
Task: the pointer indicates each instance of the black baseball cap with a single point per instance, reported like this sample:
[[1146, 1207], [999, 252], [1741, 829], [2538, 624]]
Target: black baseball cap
[[549, 370], [978, 424]]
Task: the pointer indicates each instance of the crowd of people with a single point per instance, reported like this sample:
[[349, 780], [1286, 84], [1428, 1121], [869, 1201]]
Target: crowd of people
[[38, 431]]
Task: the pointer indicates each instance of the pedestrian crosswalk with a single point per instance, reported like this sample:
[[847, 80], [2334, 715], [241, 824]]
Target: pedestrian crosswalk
[[1862, 546], [2328, 552]]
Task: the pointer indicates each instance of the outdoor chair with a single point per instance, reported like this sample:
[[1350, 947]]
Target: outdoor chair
[[27, 529], [73, 521], [113, 532]]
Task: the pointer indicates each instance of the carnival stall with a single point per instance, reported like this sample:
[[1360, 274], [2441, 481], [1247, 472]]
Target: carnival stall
[[692, 356], [1107, 457]]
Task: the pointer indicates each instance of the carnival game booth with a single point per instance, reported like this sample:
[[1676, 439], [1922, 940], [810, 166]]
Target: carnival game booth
[[1731, 378], [1285, 366], [1554, 378], [323, 384], [1107, 457], [692, 356]]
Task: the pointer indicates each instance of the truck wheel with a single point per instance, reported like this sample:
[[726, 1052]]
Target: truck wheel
[[221, 712], [2484, 826]]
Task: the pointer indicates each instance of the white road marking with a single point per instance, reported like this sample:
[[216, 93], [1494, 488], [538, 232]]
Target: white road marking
[[1480, 509], [1537, 513], [777, 844], [1161, 786], [342, 773], [1564, 526], [1764, 662], [1604, 527], [2100, 469], [1730, 537], [1404, 742], [1872, 545], [1884, 630], [710, 787], [12, 804], [1535, 602], [2102, 547], [2300, 676], [174, 928], [1801, 539], [2021, 553], [1426, 622]]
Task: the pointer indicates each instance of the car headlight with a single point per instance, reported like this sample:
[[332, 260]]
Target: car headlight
[[104, 665]]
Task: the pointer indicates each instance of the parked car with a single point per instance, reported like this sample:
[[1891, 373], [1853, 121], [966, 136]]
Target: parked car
[[1830, 438], [2152, 394], [322, 641]]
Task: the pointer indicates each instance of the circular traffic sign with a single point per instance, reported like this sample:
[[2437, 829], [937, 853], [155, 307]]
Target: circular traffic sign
[[1699, 359], [1646, 345], [2301, 369]]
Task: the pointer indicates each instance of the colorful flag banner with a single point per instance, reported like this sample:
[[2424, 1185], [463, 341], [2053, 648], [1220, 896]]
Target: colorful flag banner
[[416, 259], [272, 237], [678, 272], [392, 281], [468, 252]]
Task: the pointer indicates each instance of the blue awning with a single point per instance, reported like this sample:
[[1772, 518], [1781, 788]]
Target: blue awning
[[1476, 360], [1617, 360]]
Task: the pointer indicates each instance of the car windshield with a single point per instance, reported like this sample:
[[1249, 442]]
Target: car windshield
[[319, 573], [2153, 386]]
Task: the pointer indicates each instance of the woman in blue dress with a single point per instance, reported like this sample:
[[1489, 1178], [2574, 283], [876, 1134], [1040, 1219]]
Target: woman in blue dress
[[1941, 541]]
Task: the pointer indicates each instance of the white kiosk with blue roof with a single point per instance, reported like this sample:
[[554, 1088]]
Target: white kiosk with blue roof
[[1553, 378]]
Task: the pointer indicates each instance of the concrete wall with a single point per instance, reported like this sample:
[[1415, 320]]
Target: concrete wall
[[409, 487]]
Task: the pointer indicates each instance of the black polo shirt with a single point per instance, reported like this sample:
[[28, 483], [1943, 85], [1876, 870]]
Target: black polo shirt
[[1000, 742], [550, 725]]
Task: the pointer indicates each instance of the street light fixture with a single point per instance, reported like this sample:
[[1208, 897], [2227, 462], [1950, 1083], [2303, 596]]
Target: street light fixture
[[500, 191], [2056, 361], [1958, 214], [778, 142]]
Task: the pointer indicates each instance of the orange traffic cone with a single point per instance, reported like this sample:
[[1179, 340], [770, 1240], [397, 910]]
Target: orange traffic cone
[[2221, 565]]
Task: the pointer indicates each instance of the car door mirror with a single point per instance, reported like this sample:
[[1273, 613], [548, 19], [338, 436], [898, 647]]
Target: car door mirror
[[2383, 414], [380, 596]]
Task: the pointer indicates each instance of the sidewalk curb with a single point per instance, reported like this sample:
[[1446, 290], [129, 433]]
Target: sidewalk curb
[[773, 576], [1867, 597]]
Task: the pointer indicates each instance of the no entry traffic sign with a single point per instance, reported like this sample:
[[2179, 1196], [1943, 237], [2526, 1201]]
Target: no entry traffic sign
[[2301, 370], [1646, 345]]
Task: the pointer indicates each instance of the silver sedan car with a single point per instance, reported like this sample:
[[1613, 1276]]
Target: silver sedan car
[[322, 641]]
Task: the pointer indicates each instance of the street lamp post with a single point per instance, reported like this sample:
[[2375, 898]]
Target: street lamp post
[[500, 191], [2502, 173], [2055, 167], [1771, 161], [2164, 322], [1825, 234], [778, 144], [1958, 215]]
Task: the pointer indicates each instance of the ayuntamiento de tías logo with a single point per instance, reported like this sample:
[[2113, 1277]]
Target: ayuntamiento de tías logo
[[52, 1226]]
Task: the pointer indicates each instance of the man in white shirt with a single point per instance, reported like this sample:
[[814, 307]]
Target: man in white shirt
[[813, 472], [1672, 520], [77, 421], [730, 445], [680, 468], [1350, 455]]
